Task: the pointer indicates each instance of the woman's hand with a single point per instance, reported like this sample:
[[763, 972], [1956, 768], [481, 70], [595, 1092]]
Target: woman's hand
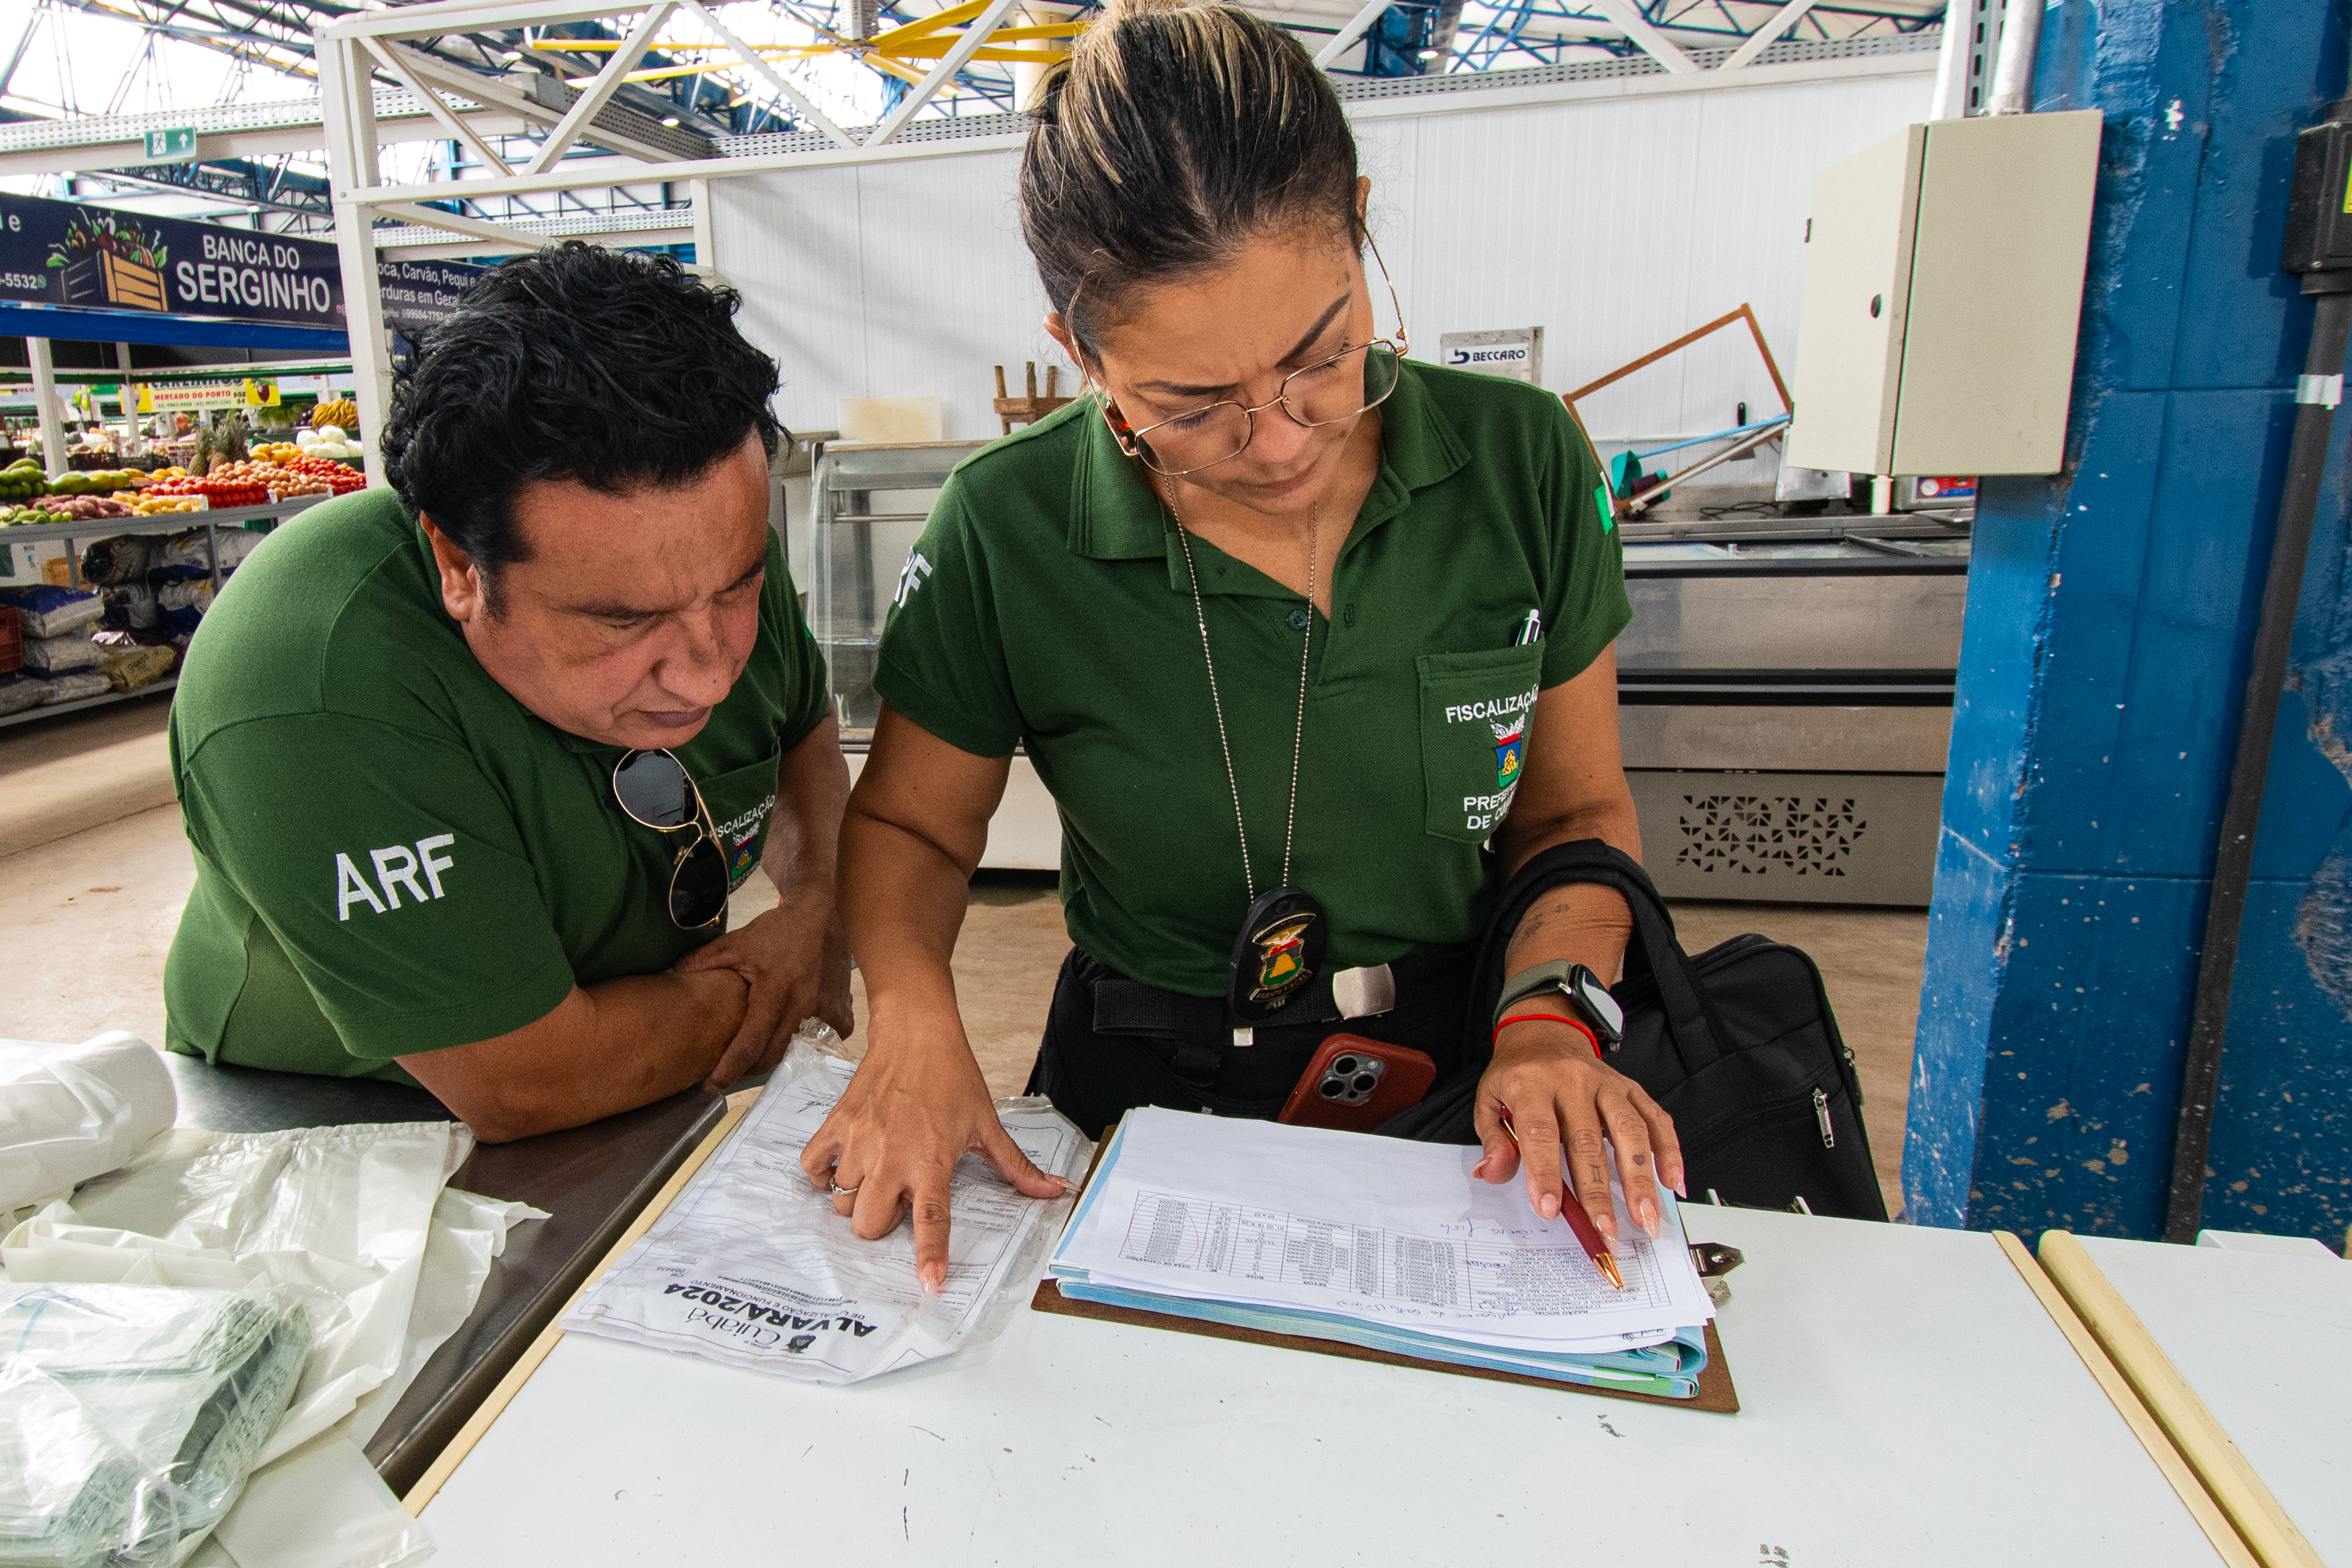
[[1564, 1102], [917, 1105]]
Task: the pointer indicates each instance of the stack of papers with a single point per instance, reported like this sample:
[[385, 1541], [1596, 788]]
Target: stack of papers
[[1376, 1242]]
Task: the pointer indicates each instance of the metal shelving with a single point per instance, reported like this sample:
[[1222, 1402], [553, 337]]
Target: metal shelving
[[71, 534], [51, 710]]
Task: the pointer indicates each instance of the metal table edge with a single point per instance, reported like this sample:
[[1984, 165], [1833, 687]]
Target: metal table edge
[[408, 1459]]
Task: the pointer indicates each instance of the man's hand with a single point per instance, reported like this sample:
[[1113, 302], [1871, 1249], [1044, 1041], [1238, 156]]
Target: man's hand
[[917, 1106], [796, 962], [1566, 1101]]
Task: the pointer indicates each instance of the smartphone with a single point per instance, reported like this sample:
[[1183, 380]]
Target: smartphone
[[1354, 1085]]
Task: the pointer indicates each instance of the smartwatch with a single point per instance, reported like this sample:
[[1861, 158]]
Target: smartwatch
[[1588, 1001]]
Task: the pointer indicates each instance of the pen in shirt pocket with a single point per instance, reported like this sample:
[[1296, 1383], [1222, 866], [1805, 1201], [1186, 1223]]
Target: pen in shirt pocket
[[1530, 630]]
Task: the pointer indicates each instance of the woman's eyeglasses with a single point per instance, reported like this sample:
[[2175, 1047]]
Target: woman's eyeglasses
[[1336, 388], [653, 788]]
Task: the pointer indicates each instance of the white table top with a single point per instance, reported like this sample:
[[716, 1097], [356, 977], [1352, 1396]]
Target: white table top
[[2265, 1339], [1904, 1400]]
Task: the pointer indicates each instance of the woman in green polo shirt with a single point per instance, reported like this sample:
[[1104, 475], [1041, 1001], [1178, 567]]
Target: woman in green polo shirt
[[1310, 643]]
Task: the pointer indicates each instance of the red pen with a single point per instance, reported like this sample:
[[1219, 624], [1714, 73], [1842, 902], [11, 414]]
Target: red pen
[[1586, 1235]]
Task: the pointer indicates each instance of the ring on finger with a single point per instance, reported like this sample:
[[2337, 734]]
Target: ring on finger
[[838, 1190]]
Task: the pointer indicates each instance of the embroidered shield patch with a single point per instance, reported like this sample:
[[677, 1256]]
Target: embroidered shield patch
[[1510, 751]]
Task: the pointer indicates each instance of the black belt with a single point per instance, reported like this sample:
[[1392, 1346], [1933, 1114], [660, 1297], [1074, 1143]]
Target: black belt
[[1201, 1031]]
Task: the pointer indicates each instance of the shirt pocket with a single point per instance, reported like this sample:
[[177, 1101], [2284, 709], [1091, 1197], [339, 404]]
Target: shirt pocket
[[1476, 711], [741, 804]]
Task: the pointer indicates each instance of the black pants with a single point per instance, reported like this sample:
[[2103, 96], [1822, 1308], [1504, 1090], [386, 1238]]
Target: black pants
[[1094, 1078]]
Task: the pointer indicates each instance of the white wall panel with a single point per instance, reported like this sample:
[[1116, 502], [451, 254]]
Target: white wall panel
[[949, 291], [792, 245], [1615, 224]]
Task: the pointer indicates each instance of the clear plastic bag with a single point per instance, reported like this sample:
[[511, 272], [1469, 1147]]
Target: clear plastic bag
[[131, 1415], [751, 1267]]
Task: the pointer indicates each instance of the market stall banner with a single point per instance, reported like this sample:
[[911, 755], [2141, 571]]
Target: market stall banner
[[61, 253], [244, 393], [418, 294]]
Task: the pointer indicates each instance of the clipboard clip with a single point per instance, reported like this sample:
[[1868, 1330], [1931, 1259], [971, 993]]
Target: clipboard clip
[[1713, 1259]]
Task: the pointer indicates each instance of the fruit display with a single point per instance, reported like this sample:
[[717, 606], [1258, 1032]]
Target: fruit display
[[82, 508], [341, 478], [225, 487], [251, 483], [22, 480], [342, 412], [161, 504], [331, 443], [97, 482], [276, 452], [11, 516]]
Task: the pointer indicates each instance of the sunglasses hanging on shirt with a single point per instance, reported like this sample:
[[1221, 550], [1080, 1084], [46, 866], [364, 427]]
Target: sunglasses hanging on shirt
[[654, 788]]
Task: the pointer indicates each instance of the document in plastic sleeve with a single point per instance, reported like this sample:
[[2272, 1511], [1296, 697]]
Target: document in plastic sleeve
[[751, 1267]]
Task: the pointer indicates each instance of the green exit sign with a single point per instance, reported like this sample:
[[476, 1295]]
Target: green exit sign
[[176, 142]]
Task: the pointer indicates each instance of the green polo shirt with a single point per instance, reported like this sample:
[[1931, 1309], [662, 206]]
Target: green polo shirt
[[1047, 605], [392, 854]]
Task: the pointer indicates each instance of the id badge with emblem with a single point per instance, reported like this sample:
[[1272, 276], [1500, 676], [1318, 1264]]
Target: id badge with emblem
[[1279, 951]]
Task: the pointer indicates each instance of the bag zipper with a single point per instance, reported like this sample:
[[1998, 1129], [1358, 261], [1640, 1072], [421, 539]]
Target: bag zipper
[[1821, 1114]]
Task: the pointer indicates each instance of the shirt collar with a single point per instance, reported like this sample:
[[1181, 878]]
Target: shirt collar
[[1114, 514]]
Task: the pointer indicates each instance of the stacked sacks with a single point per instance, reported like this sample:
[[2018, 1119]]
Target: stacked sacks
[[128, 663], [159, 588], [182, 578], [118, 569], [61, 662]]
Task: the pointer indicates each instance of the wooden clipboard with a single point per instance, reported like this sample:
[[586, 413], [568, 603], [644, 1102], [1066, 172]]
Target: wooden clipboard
[[1716, 1394]]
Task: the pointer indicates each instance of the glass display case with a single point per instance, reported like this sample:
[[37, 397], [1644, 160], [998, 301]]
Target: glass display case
[[868, 505]]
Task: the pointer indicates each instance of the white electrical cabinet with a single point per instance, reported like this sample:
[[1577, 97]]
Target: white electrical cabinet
[[1943, 287]]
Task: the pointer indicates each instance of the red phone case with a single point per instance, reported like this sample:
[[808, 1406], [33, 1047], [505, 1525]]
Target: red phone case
[[1334, 1092]]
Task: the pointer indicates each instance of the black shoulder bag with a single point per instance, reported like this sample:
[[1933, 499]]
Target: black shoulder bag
[[1739, 1045]]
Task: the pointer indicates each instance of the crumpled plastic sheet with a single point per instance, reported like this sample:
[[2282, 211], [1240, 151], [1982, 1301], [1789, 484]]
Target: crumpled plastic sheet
[[69, 1113], [357, 1223], [338, 1214]]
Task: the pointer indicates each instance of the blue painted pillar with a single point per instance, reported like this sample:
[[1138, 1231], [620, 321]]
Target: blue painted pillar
[[2103, 666]]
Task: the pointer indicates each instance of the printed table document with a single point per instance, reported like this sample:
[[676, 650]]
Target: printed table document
[[1312, 1231], [751, 1265]]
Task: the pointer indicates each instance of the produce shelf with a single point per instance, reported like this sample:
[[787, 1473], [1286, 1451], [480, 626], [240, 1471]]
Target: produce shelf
[[158, 523], [107, 528]]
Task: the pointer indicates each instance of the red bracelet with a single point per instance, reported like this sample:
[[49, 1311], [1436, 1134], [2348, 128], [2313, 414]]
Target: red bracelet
[[1557, 1017]]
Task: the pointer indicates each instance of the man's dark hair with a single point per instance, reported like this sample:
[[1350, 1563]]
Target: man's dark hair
[[616, 370]]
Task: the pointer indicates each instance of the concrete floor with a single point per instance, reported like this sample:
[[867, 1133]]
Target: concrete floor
[[94, 871]]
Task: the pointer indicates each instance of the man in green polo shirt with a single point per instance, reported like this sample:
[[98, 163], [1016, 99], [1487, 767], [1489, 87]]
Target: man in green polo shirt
[[470, 765]]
